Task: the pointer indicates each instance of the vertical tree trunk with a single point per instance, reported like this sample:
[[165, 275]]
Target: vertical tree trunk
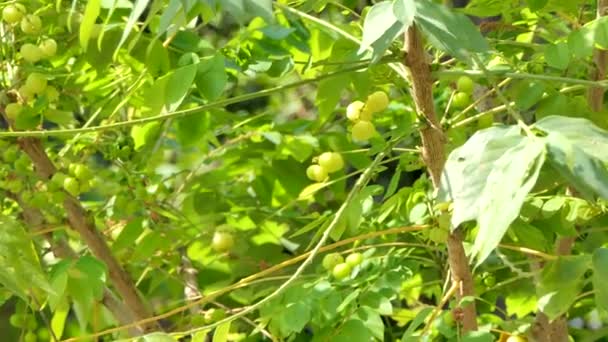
[[433, 154]]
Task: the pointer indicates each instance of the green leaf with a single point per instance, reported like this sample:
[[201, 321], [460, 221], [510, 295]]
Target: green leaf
[[138, 9], [580, 132], [221, 332], [600, 277], [511, 179], [375, 300], [381, 27], [558, 55], [373, 322], [449, 31], [211, 77], [329, 93], [128, 234], [586, 173], [157, 337], [145, 134], [536, 5], [408, 335], [354, 330], [58, 320], [91, 12], [580, 43], [404, 11], [561, 281], [467, 169], [478, 336], [94, 272], [528, 94]]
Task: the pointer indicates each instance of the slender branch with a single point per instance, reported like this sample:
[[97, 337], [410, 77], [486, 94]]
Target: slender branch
[[81, 222], [184, 112], [520, 76], [433, 154]]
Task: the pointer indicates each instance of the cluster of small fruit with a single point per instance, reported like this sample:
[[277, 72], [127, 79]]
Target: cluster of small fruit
[[35, 84], [80, 179], [361, 114], [464, 89], [23, 321], [327, 162], [339, 267]]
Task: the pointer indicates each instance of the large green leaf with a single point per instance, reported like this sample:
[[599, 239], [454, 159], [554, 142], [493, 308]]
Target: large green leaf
[[560, 283], [600, 277], [138, 9], [381, 27], [508, 184], [211, 77], [449, 31], [580, 132], [467, 168], [586, 173], [86, 27]]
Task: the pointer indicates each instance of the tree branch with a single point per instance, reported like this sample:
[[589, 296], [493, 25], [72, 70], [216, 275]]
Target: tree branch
[[82, 223], [433, 154]]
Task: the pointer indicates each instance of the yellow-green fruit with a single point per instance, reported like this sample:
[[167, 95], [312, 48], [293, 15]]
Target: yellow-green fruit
[[52, 94], [377, 102], [48, 47], [341, 271], [222, 241], [12, 14], [25, 92], [464, 84], [514, 338], [31, 53], [31, 24], [17, 320], [331, 260], [354, 259], [363, 130], [30, 337], [36, 83], [72, 186], [331, 161], [366, 114], [461, 100], [354, 110], [12, 110], [316, 173]]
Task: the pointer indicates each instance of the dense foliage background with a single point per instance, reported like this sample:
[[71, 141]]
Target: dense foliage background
[[307, 170]]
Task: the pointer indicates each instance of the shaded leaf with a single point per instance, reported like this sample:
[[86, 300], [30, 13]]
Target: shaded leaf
[[600, 277]]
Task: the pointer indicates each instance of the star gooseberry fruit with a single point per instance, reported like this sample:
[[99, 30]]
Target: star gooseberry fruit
[[464, 84], [222, 241], [341, 271], [354, 259], [36, 83], [31, 24], [377, 102], [331, 161], [316, 173], [363, 130], [12, 110], [331, 260], [353, 110], [461, 100], [31, 53], [48, 47], [12, 14]]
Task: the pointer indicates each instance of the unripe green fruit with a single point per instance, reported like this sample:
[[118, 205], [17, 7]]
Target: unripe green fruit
[[222, 241], [465, 84], [331, 161], [48, 47], [17, 320], [36, 83], [44, 334], [30, 337], [354, 259], [341, 271], [31, 53], [354, 110], [12, 14], [31, 24], [363, 130], [25, 93], [82, 172], [72, 186], [377, 102], [331, 260], [461, 100], [316, 173], [12, 110], [52, 94], [514, 338], [489, 279]]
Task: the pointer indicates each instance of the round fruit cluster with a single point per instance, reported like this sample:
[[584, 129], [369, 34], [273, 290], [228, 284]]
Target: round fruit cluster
[[340, 268], [35, 49], [464, 89], [361, 115], [327, 162], [79, 180]]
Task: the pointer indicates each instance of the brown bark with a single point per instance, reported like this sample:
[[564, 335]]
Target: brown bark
[[433, 154], [83, 223]]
